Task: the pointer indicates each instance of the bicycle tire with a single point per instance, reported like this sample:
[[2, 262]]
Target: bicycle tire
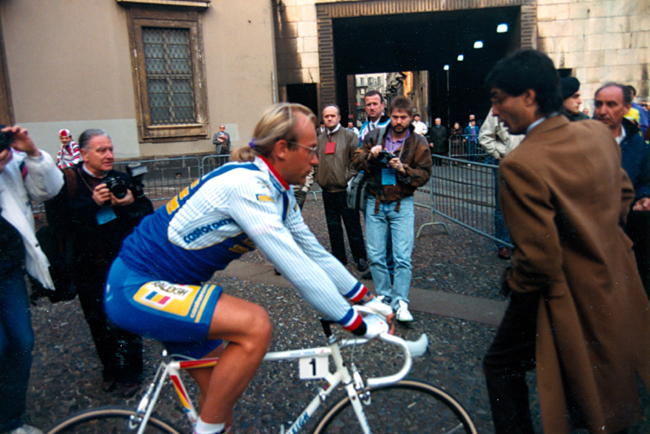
[[405, 407], [108, 420]]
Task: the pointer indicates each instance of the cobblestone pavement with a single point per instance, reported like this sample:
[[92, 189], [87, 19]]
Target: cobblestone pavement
[[66, 373]]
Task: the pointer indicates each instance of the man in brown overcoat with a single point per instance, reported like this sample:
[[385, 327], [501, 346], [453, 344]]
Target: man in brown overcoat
[[578, 312]]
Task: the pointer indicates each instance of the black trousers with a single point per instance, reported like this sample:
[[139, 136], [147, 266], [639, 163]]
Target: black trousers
[[119, 351], [506, 362], [638, 229], [336, 212]]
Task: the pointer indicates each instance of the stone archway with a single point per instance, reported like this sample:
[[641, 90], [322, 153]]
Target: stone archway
[[327, 12]]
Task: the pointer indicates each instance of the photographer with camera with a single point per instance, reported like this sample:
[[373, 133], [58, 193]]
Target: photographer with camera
[[397, 161], [26, 174], [99, 208]]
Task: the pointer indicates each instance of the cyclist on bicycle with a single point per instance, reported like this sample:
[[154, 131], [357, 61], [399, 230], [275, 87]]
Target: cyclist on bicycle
[[154, 287]]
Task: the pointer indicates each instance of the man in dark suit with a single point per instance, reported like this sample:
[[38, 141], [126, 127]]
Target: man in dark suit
[[438, 136], [577, 307]]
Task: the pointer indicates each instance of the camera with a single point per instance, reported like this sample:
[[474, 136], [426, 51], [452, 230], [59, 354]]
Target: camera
[[6, 139], [116, 185], [137, 172], [384, 156]]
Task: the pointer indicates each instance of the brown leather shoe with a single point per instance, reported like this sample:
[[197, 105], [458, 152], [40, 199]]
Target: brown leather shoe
[[504, 253]]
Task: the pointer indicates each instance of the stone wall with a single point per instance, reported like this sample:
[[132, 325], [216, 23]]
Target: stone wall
[[297, 42], [600, 40]]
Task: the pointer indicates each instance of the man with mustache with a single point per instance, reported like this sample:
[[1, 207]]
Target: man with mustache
[[612, 102], [397, 161]]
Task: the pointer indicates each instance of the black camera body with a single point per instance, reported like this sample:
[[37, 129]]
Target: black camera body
[[116, 185], [137, 172], [6, 139], [384, 156]]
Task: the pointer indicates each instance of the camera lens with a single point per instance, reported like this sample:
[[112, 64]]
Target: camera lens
[[116, 186]]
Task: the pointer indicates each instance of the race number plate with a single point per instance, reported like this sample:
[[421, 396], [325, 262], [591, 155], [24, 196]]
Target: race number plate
[[313, 367]]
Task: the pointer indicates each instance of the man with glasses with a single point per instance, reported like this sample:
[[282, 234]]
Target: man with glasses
[[233, 210]]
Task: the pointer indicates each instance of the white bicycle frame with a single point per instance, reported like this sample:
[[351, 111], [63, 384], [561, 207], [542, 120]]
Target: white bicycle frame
[[353, 384]]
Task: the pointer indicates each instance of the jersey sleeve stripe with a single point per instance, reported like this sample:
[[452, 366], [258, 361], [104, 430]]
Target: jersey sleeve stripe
[[358, 292]]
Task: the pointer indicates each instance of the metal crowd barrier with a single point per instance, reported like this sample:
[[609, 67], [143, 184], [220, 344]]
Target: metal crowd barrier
[[167, 176], [463, 192], [211, 162], [460, 146]]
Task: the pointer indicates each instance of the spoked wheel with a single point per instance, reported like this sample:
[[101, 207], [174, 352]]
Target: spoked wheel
[[405, 407], [109, 420]]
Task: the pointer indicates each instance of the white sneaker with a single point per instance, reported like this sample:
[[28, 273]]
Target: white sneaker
[[26, 429], [402, 313]]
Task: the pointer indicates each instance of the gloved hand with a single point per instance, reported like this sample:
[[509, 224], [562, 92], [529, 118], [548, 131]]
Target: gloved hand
[[375, 326], [378, 307]]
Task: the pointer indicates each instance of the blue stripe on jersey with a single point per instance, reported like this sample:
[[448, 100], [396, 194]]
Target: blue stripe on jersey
[[149, 251], [357, 293], [349, 316], [285, 207]]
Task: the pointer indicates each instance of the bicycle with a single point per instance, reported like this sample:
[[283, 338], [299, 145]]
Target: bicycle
[[383, 405]]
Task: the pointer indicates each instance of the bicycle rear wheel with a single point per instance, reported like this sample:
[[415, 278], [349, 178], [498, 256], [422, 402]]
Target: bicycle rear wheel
[[404, 407], [108, 420]]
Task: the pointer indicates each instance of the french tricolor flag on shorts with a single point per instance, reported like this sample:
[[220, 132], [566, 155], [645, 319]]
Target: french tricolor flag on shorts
[[158, 299]]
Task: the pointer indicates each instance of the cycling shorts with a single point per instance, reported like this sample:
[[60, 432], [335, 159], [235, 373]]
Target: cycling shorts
[[178, 315]]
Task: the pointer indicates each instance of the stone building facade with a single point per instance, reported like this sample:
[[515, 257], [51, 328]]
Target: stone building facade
[[599, 41], [594, 40]]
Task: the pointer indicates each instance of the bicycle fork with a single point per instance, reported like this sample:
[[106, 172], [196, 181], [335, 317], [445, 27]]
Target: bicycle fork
[[356, 389]]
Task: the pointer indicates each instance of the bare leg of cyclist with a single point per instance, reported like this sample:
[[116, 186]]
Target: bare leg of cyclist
[[247, 328], [202, 377]]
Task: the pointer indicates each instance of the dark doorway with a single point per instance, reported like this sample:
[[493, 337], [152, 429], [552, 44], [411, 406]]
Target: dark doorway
[[305, 94], [429, 41]]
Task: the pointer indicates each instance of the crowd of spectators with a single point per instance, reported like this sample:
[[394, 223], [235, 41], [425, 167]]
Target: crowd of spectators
[[572, 196]]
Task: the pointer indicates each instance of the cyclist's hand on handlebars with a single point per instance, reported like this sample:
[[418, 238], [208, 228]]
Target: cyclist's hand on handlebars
[[375, 326]]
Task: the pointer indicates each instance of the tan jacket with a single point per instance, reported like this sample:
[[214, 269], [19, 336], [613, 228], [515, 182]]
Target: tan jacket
[[564, 198], [335, 170]]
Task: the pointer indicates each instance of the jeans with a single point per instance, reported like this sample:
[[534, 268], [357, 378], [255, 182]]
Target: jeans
[[336, 210], [500, 230], [16, 345], [401, 226]]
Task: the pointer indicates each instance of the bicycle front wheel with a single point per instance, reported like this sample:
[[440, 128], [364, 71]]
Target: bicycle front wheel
[[404, 407], [109, 420]]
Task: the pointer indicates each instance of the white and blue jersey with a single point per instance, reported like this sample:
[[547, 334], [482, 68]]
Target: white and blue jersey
[[228, 212]]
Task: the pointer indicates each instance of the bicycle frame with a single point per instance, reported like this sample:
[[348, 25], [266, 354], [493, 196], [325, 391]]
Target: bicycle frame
[[353, 384]]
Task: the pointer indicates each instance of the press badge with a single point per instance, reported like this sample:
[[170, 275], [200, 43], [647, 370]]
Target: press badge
[[105, 215], [388, 176], [330, 147]]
